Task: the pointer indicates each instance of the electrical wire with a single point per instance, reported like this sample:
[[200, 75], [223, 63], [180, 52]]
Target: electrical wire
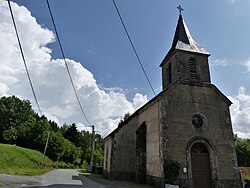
[[66, 64], [23, 57], [129, 38]]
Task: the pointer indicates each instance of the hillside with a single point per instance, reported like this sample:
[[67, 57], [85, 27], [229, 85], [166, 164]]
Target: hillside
[[21, 161]]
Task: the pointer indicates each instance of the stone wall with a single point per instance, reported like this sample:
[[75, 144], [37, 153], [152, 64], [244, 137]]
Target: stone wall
[[180, 70], [156, 182], [123, 156], [180, 103]]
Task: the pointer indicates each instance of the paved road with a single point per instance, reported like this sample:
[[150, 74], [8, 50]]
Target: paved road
[[61, 178]]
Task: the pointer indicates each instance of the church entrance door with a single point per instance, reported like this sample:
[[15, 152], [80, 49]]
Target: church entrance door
[[200, 166]]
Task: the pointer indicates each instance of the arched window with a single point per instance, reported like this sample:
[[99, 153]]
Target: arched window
[[192, 69], [199, 148]]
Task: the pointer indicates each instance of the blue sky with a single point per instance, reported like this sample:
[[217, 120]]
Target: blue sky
[[92, 34]]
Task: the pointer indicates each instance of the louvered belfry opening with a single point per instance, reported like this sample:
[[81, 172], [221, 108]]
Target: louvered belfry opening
[[192, 69]]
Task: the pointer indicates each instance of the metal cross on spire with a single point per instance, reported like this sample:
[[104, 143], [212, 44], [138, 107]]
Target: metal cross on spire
[[180, 9]]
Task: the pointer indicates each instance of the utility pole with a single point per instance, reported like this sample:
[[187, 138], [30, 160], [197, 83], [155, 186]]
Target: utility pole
[[93, 145], [46, 145], [90, 166]]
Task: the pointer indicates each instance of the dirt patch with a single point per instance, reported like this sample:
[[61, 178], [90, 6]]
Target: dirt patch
[[245, 171]]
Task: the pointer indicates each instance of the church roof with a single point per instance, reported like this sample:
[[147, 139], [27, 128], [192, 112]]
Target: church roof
[[184, 41]]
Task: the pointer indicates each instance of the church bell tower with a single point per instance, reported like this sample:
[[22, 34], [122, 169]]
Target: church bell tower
[[195, 118], [186, 59]]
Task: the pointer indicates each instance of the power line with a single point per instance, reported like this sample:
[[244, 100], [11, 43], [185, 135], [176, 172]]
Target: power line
[[24, 61], [66, 64], [123, 24]]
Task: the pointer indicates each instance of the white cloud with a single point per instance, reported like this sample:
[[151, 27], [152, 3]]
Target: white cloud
[[3, 89], [240, 113], [103, 107], [219, 62], [247, 64], [139, 100]]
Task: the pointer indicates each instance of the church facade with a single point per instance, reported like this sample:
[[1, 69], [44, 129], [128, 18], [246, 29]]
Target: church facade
[[188, 122]]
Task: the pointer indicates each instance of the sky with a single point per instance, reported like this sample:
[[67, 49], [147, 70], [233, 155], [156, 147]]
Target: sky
[[104, 68]]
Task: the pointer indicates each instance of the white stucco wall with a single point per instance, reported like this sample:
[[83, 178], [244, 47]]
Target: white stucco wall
[[151, 116], [107, 153]]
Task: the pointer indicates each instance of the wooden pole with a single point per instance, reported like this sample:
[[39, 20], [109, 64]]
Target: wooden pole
[[44, 152]]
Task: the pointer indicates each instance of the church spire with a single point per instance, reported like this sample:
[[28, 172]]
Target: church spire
[[186, 60], [183, 39]]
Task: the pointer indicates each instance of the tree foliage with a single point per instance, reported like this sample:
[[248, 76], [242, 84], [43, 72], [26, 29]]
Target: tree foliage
[[72, 134], [243, 151], [13, 113], [20, 125], [10, 135], [125, 117]]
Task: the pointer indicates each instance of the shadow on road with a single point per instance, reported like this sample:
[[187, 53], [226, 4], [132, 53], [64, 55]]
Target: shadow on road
[[85, 183], [65, 179], [57, 186]]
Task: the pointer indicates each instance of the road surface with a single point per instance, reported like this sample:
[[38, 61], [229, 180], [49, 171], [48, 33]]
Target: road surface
[[62, 178]]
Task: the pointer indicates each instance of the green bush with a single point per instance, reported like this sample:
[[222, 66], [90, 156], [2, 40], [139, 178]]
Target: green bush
[[62, 164], [171, 171], [246, 178]]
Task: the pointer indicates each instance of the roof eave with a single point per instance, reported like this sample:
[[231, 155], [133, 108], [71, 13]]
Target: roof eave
[[172, 51]]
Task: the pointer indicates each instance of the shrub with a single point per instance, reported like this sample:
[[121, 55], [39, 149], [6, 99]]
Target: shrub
[[171, 171]]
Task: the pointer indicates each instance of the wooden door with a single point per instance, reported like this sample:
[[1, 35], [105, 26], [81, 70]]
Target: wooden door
[[200, 166]]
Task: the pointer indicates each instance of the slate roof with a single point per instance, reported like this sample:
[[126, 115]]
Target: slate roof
[[184, 41]]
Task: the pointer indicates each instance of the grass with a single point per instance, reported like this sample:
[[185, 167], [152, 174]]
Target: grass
[[16, 160]]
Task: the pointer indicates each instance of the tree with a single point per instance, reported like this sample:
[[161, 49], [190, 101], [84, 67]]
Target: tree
[[243, 151], [13, 113], [19, 124], [63, 129], [25, 138], [10, 136], [85, 142], [59, 148], [125, 117], [56, 145], [54, 126], [99, 150], [72, 134], [86, 145]]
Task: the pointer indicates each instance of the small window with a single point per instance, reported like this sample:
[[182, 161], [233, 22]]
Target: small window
[[169, 74], [192, 69]]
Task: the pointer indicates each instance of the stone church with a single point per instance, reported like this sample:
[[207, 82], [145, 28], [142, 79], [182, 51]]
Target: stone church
[[188, 122]]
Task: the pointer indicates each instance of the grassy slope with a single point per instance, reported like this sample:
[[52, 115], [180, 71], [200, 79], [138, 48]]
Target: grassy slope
[[20, 161]]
